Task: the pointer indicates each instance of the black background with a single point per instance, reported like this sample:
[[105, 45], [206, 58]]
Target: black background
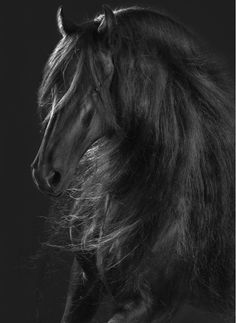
[[28, 35]]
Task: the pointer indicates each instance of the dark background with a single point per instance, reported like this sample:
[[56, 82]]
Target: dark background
[[28, 35]]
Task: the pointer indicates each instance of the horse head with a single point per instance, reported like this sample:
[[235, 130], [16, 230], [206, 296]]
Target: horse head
[[74, 89], [155, 200]]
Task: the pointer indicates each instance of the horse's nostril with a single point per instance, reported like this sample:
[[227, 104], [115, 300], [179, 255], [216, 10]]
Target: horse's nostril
[[53, 179]]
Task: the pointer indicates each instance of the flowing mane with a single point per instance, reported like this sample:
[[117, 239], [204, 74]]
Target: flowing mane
[[164, 183]]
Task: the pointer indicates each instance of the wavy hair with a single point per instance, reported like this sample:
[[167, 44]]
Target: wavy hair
[[156, 198]]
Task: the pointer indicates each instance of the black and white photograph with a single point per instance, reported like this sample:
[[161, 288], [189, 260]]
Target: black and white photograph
[[118, 161]]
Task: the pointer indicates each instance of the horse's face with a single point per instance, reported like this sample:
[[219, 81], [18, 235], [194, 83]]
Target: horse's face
[[68, 134], [70, 130], [78, 79]]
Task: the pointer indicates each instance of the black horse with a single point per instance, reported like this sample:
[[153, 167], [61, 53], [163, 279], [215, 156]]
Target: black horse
[[138, 130]]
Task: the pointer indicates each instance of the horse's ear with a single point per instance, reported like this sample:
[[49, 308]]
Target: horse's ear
[[108, 22], [65, 26]]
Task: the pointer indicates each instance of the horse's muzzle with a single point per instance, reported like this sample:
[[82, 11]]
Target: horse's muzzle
[[46, 181]]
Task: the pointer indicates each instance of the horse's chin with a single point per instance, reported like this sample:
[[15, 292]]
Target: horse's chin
[[52, 193]]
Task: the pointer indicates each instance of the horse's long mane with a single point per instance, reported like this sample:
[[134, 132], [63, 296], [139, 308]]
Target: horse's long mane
[[165, 180]]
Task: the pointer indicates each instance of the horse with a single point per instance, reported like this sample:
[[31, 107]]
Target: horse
[[137, 122]]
